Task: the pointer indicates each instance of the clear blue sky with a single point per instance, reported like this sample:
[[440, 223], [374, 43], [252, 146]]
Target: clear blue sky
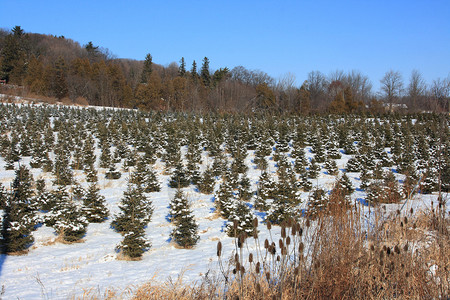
[[274, 36]]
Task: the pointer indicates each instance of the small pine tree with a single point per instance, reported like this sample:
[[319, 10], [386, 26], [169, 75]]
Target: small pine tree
[[265, 191], [244, 191], [353, 165], [318, 201], [304, 183], [66, 217], [185, 233], [240, 220], [19, 218], [331, 167], [179, 177], [113, 173], [134, 243], [207, 182], [224, 199], [133, 206], [346, 184], [94, 207], [314, 169]]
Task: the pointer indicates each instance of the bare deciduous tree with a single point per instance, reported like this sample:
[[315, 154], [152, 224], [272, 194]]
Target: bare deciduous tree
[[416, 88], [392, 86]]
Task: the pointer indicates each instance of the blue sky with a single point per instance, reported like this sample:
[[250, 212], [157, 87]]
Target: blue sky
[[273, 36]]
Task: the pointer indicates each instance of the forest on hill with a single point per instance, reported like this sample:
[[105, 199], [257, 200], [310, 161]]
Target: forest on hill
[[62, 69]]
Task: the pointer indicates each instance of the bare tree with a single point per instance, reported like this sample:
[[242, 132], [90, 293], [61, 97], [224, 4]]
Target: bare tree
[[392, 86], [416, 88], [318, 84], [440, 93], [360, 85]]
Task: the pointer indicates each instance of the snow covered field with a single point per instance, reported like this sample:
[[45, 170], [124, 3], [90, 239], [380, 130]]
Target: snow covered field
[[53, 270]]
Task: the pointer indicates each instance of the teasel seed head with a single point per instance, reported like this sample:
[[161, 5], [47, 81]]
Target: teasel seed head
[[288, 240], [219, 248], [266, 244], [250, 258], [258, 267], [283, 232], [269, 225], [255, 222]]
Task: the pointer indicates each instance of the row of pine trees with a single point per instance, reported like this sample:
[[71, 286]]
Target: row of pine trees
[[61, 140]]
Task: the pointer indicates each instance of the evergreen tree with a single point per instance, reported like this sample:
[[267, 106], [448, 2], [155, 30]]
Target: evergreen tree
[[179, 177], [244, 186], [182, 68], [18, 218], [148, 68], [224, 199], [219, 165], [113, 173], [61, 170], [185, 233], [134, 207], [353, 165], [317, 202], [66, 217], [346, 184], [265, 191], [240, 220], [94, 205], [314, 169], [204, 73], [207, 181], [304, 183], [134, 243], [105, 156], [331, 167]]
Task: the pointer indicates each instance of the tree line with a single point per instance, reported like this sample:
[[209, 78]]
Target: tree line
[[61, 68]]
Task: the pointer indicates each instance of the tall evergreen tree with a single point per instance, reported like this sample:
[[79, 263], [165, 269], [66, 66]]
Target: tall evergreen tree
[[204, 73], [148, 69]]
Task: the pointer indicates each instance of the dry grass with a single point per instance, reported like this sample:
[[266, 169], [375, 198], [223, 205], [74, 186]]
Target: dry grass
[[339, 255]]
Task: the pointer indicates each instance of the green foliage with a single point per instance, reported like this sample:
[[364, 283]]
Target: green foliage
[[94, 205], [185, 233], [240, 220]]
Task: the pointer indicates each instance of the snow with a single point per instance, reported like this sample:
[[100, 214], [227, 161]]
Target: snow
[[55, 270]]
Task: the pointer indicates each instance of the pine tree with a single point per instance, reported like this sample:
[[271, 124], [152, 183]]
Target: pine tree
[[346, 184], [185, 233], [244, 187], [207, 182], [105, 156], [113, 173], [204, 73], [91, 173], [304, 183], [240, 220], [182, 68], [314, 169], [66, 217], [134, 207], [265, 191], [353, 165], [148, 69], [134, 243], [331, 167], [19, 218], [224, 199], [61, 170], [94, 206], [318, 201], [430, 181], [179, 177]]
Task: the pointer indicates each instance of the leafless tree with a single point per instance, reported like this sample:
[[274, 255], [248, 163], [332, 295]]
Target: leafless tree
[[416, 88], [392, 86], [318, 85], [440, 94]]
